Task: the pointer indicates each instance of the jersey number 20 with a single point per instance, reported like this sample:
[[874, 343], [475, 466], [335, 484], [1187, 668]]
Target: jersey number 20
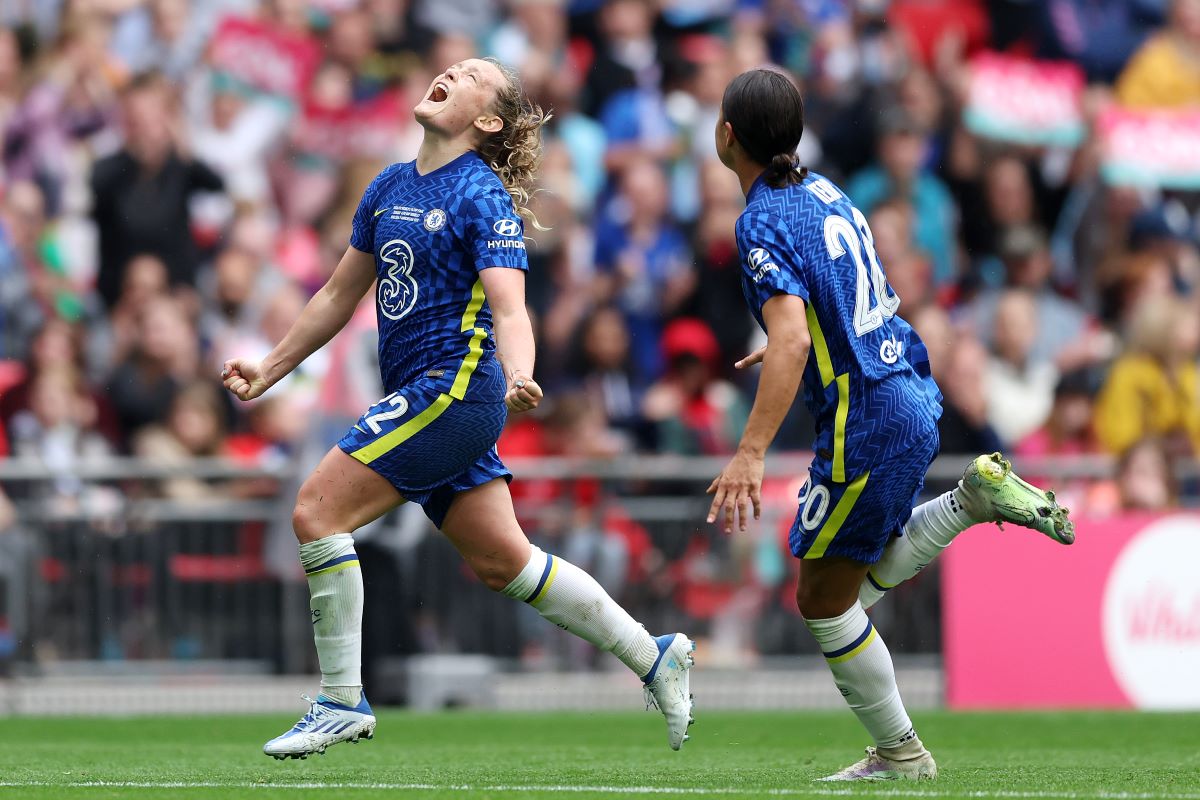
[[873, 303]]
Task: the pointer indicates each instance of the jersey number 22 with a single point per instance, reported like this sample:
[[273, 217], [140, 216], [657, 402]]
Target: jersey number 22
[[873, 303]]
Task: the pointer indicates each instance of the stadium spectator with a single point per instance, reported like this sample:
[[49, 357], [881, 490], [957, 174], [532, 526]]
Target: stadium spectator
[[1068, 430], [901, 172], [1027, 265], [141, 193], [1020, 389], [643, 264], [165, 357], [1153, 389], [194, 428], [1164, 73], [694, 411], [1145, 479], [605, 371]]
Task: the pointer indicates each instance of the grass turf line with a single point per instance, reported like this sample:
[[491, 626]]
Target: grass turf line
[[474, 756]]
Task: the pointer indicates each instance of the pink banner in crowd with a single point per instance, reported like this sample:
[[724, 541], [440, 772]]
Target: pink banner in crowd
[[259, 56], [1020, 100], [1111, 621], [1150, 148], [368, 129]]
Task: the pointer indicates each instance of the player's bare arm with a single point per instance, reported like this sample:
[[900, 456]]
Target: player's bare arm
[[739, 485], [326, 313], [505, 292]]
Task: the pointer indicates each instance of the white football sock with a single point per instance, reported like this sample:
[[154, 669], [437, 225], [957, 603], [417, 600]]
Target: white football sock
[[335, 586], [571, 599], [929, 531], [862, 669]]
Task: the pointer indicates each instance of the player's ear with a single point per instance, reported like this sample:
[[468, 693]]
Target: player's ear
[[489, 123], [727, 132]]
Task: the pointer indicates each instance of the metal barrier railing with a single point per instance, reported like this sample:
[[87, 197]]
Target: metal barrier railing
[[141, 577]]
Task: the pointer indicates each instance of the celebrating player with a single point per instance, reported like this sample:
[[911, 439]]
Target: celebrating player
[[813, 281], [442, 236]]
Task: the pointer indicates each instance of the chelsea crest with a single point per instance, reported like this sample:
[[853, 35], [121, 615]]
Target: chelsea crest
[[435, 220]]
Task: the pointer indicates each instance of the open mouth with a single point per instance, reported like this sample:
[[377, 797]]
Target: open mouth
[[439, 93]]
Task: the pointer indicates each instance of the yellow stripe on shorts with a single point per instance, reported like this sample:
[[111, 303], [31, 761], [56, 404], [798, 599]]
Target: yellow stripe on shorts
[[838, 518]]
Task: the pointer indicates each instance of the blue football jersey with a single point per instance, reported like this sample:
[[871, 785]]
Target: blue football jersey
[[867, 378], [431, 235]]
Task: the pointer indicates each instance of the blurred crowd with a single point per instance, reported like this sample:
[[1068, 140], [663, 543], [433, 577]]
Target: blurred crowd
[[177, 178], [179, 175]]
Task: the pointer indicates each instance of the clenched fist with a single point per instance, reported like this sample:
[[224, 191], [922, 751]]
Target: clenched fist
[[523, 395], [244, 378]]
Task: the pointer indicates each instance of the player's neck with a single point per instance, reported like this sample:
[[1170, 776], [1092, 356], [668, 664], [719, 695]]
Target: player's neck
[[747, 173], [438, 151]]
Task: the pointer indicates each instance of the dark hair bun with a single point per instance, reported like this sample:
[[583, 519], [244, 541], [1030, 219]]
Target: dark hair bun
[[783, 163]]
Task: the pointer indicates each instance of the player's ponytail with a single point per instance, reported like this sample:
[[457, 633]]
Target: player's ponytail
[[515, 151], [766, 113]]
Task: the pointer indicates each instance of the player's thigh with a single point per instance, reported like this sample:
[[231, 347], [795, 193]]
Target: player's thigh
[[483, 527], [340, 496]]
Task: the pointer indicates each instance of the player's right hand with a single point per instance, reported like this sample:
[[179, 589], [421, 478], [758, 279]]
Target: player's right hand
[[244, 378], [754, 358]]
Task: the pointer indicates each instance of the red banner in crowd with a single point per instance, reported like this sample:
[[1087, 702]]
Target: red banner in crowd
[[1020, 100], [1110, 621], [1150, 148], [368, 129], [264, 58]]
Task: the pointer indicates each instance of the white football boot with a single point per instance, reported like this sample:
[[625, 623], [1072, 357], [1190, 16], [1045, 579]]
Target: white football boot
[[326, 723], [878, 768], [668, 685]]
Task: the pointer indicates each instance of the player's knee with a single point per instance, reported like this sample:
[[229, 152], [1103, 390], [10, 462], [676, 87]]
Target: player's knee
[[815, 604], [494, 573], [307, 521]]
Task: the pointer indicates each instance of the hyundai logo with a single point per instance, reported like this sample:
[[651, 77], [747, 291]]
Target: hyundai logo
[[507, 227]]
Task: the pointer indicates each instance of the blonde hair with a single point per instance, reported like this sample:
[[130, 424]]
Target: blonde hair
[[515, 151]]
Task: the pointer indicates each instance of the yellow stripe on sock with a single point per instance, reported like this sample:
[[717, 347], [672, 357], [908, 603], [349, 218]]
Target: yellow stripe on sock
[[838, 518], [871, 637], [405, 432], [880, 583], [475, 349], [334, 568], [549, 581]]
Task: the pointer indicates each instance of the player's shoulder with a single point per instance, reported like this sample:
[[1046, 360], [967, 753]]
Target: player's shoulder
[[391, 176], [475, 179]]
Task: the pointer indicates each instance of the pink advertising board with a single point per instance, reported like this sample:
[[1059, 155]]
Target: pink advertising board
[[1111, 621]]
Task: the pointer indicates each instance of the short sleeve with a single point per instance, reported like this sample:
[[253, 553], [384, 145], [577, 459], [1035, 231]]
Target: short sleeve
[[362, 226], [493, 232], [769, 260]]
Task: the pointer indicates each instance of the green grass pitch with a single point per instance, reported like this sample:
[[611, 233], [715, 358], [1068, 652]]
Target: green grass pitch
[[469, 755]]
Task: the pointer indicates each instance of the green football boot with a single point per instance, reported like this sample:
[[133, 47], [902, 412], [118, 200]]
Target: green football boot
[[990, 490]]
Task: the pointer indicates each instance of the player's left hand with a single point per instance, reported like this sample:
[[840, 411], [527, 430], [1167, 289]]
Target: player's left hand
[[523, 395], [737, 487]]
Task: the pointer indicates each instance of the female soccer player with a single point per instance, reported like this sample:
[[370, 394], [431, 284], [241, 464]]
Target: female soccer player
[[442, 237], [813, 281]]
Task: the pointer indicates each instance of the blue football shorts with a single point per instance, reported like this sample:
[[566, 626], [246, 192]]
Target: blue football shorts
[[858, 518], [429, 445]]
